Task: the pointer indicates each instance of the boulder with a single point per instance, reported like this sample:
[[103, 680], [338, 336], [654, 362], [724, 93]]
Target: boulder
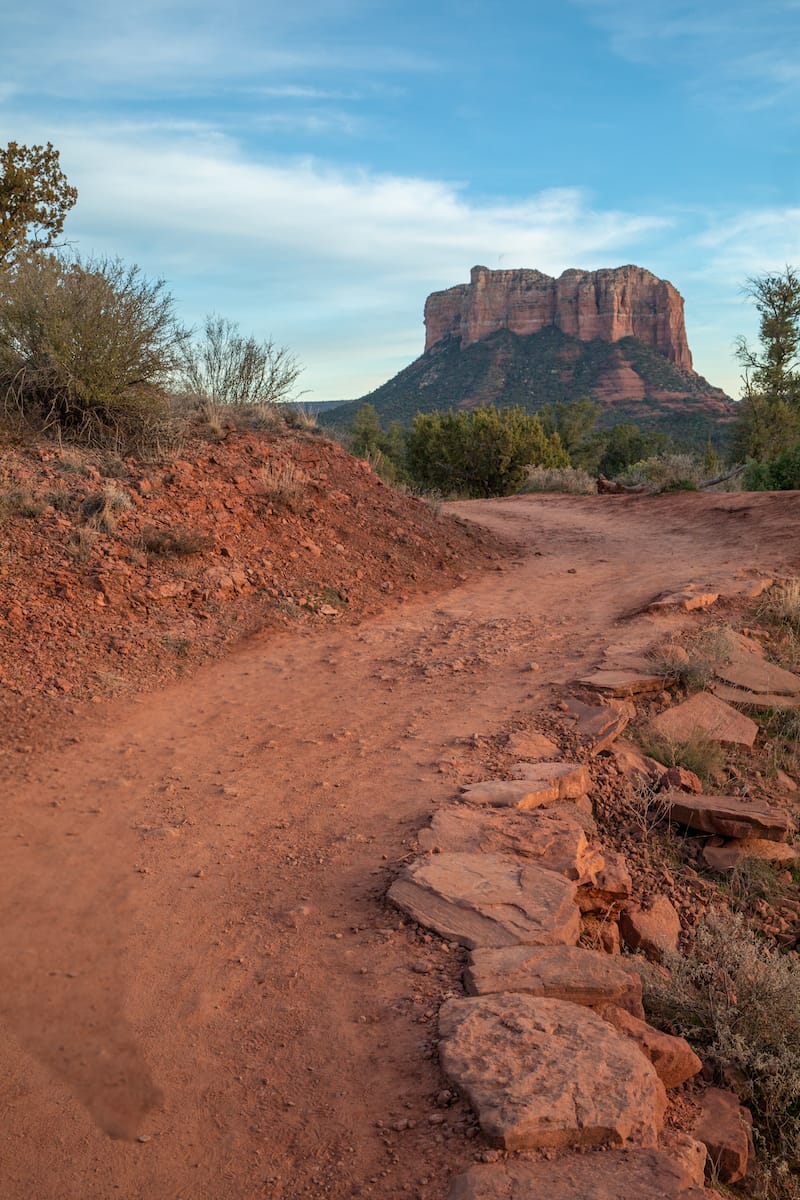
[[547, 1074], [614, 1175], [673, 1058], [725, 1129], [548, 837], [731, 855], [707, 716], [653, 930], [728, 816], [488, 900], [586, 977]]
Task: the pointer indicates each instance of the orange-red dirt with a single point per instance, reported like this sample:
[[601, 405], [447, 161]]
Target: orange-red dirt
[[205, 994]]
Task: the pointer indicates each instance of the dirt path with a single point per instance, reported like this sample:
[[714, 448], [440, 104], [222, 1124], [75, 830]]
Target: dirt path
[[197, 951]]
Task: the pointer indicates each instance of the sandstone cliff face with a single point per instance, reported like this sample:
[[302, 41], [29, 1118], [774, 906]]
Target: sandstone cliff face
[[608, 304]]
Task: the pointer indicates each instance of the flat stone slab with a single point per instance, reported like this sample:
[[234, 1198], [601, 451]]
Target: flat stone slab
[[543, 783], [709, 717], [547, 837], [571, 779], [488, 900], [728, 857], [728, 816], [736, 695], [743, 665], [673, 1058], [547, 1074], [622, 683], [599, 725], [688, 599], [531, 745], [614, 1175], [586, 977]]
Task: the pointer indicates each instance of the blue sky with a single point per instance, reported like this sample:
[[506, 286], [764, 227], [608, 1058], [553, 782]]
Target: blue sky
[[314, 170]]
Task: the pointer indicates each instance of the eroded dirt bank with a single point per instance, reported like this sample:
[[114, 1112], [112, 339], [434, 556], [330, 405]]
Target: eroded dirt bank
[[197, 949]]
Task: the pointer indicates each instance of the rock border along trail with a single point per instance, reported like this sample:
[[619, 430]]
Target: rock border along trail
[[201, 961]]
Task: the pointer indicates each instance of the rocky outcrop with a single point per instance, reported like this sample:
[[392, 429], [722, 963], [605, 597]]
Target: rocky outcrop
[[610, 304]]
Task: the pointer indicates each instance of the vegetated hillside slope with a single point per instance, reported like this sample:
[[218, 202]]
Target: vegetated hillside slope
[[115, 574], [630, 380]]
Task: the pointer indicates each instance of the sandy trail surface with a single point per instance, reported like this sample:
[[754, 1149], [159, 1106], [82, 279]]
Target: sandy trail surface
[[205, 993]]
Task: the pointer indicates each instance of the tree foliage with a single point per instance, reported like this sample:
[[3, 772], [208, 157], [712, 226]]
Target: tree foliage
[[35, 198], [85, 345], [769, 419], [224, 367], [574, 421], [628, 444], [479, 453]]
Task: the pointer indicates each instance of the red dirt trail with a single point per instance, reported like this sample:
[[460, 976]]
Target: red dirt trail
[[199, 961]]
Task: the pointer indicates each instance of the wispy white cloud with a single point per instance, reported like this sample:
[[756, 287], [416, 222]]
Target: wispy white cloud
[[162, 49], [313, 254], [733, 51]]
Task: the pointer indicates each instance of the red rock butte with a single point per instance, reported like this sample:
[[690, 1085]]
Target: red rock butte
[[610, 304]]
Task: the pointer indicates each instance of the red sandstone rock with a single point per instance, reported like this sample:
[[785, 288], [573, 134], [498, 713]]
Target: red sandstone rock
[[728, 816], [547, 1074], [724, 1128], [488, 900], [615, 1175], [531, 746], [547, 836], [572, 973], [679, 779], [705, 715], [608, 304], [654, 930], [728, 857], [673, 1058]]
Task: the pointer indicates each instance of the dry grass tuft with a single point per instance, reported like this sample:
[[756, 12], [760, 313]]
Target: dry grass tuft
[[177, 542], [282, 484], [573, 480], [699, 754], [100, 509]]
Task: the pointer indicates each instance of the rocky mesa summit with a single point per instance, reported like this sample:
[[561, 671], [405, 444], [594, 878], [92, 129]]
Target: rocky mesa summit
[[522, 337], [609, 304]]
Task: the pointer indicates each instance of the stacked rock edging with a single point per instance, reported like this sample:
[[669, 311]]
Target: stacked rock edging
[[550, 1045]]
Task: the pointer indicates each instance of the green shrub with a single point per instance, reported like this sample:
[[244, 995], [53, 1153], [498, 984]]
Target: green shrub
[[86, 348], [667, 473], [778, 474], [738, 1001], [484, 452], [699, 754]]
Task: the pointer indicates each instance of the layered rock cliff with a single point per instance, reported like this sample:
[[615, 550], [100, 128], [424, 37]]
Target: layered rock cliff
[[610, 304]]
